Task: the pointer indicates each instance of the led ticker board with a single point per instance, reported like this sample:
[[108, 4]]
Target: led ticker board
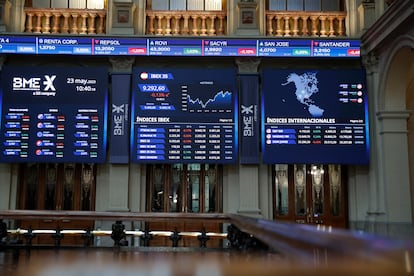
[[229, 47], [121, 46], [284, 48], [18, 44], [220, 47], [184, 115], [333, 48], [53, 114], [172, 47], [315, 116], [64, 45]]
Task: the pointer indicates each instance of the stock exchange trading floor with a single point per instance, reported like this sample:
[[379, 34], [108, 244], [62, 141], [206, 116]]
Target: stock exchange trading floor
[[166, 262], [157, 262]]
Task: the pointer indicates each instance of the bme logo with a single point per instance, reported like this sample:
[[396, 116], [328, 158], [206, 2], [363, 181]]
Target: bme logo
[[247, 116], [118, 119], [20, 83]]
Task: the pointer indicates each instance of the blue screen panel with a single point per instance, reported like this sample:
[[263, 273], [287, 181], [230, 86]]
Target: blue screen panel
[[315, 116], [54, 114], [184, 115]]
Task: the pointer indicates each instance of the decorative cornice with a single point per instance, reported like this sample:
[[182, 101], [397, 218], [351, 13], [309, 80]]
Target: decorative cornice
[[384, 26], [393, 114]]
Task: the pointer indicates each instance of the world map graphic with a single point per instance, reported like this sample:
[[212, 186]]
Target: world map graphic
[[306, 86]]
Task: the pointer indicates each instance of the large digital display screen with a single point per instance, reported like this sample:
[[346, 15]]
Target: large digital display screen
[[184, 115], [314, 116], [163, 46], [53, 114]]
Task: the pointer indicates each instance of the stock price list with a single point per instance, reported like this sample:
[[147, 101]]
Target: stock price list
[[184, 115], [53, 114], [185, 143], [316, 135], [317, 116]]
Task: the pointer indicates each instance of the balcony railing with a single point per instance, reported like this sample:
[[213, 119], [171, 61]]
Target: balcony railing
[[195, 23], [64, 21], [302, 24], [183, 23]]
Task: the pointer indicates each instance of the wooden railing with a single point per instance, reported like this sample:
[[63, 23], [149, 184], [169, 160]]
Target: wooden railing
[[64, 21], [296, 245], [195, 23], [302, 24]]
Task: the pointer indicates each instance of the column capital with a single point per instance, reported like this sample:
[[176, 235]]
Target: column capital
[[122, 64], [248, 65], [370, 62]]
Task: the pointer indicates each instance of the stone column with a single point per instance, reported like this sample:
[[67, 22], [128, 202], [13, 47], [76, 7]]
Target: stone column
[[380, 6], [395, 169], [376, 201], [351, 20], [4, 11], [366, 15], [113, 180], [140, 25], [117, 175], [395, 175], [16, 19], [249, 203]]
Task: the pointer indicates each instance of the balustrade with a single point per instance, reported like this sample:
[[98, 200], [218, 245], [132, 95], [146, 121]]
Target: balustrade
[[196, 23], [63, 21], [294, 24], [182, 23]]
